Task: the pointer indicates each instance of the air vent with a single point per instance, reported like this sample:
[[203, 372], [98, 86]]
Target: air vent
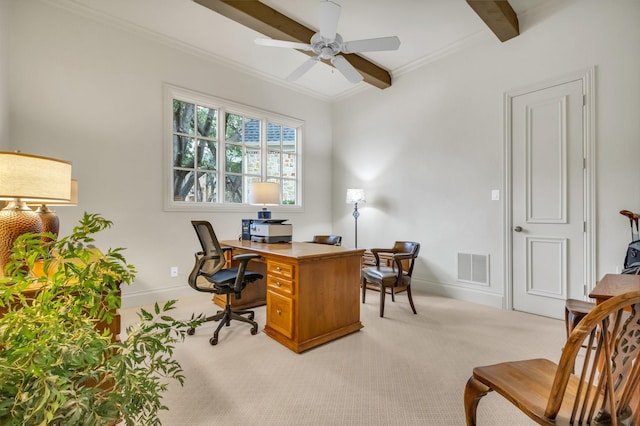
[[473, 268]]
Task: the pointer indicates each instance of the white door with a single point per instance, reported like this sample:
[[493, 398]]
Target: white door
[[548, 191]]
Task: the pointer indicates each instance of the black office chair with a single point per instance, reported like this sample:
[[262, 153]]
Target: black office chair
[[210, 275], [333, 240]]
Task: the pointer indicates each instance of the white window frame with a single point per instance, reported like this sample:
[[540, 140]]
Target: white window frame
[[172, 92]]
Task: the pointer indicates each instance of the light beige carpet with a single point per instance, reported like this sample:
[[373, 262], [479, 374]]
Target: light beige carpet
[[403, 369]]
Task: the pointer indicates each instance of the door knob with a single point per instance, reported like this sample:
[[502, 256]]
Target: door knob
[[518, 229]]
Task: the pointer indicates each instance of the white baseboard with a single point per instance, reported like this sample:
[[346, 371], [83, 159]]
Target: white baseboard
[[467, 294], [142, 298]]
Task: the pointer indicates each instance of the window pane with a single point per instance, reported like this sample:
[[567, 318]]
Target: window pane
[[289, 192], [273, 135], [289, 165], [253, 163], [248, 180], [183, 117], [233, 189], [289, 139], [233, 157], [233, 132], [252, 132], [207, 155], [183, 185], [207, 191], [273, 165], [183, 150], [207, 122]]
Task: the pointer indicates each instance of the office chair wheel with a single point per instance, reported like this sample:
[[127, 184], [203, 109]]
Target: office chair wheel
[[213, 341], [191, 331], [254, 331]]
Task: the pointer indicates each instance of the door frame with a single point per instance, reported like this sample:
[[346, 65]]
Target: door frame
[[587, 76]]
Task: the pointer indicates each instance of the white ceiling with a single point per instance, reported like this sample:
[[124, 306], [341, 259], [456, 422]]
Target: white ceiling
[[426, 28]]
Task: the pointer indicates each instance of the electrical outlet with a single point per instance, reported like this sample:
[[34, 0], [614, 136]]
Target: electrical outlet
[[174, 271]]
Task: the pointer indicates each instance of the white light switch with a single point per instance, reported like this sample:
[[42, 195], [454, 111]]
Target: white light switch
[[495, 195]]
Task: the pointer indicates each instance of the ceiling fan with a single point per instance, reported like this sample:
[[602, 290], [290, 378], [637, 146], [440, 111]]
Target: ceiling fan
[[328, 44]]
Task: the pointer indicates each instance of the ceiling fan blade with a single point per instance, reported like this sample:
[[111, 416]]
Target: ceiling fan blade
[[329, 16], [371, 45], [282, 43], [347, 69], [306, 66]]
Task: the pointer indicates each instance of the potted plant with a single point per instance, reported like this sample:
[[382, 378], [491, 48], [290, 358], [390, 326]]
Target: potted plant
[[60, 363]]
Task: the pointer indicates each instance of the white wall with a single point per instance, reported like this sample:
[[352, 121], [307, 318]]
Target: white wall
[[429, 150], [4, 75], [89, 92]]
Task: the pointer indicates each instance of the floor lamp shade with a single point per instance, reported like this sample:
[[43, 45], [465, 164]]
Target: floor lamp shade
[[28, 178], [264, 194]]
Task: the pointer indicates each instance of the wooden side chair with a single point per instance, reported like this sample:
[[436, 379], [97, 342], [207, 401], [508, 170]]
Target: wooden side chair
[[603, 392], [333, 240], [393, 276]]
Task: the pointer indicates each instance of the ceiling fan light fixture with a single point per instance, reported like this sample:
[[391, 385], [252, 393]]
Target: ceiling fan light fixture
[[327, 44]]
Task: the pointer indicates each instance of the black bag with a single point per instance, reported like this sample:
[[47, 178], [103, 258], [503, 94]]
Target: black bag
[[633, 255]]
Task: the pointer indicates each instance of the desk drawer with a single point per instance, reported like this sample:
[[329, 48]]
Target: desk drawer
[[280, 313], [280, 269], [279, 284]]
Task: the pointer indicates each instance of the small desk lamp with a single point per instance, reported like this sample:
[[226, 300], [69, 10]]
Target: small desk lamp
[[355, 196], [28, 178], [264, 194]]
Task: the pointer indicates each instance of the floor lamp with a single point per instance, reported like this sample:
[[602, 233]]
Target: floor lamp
[[28, 178], [355, 196]]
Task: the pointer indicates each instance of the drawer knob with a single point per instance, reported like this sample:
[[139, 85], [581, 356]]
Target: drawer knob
[[279, 311], [278, 268], [279, 284]]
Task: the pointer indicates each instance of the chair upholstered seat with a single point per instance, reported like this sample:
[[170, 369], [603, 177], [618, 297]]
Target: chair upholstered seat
[[384, 274]]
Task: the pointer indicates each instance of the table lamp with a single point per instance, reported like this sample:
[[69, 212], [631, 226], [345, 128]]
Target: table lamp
[[355, 196], [28, 178], [49, 218], [264, 194]]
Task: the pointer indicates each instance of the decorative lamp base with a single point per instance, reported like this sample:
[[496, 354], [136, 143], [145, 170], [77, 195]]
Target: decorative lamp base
[[264, 214], [15, 219]]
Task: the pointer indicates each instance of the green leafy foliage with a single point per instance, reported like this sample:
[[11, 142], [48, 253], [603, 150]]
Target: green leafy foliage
[[59, 364]]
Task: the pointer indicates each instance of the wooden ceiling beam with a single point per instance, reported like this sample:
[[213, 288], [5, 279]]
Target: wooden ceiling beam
[[265, 20], [499, 17]]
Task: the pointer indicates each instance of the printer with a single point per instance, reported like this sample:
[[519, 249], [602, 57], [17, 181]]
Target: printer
[[270, 231]]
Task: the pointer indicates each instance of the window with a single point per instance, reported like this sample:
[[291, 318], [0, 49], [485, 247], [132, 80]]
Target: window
[[218, 148]]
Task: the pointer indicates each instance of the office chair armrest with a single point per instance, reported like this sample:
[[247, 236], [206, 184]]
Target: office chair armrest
[[242, 257], [242, 267]]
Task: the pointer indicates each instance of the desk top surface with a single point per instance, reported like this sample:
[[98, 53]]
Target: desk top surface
[[296, 250], [614, 284]]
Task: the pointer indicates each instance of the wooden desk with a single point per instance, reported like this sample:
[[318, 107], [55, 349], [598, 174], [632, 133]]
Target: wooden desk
[[614, 284], [312, 291]]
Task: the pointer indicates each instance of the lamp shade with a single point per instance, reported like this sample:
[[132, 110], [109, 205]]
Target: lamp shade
[[264, 194], [34, 178], [355, 196], [73, 200]]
